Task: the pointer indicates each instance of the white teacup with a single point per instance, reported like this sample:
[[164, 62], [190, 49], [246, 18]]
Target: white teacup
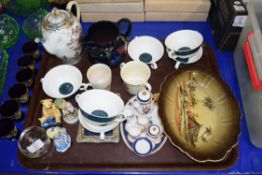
[[99, 76], [62, 81], [135, 75], [183, 45], [146, 49]]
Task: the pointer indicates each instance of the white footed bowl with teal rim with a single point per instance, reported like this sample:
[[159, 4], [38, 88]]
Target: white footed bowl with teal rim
[[146, 49], [101, 107], [62, 81], [183, 44]]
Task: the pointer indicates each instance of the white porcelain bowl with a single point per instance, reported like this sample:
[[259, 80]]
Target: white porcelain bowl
[[183, 43], [62, 81], [101, 106], [146, 49]]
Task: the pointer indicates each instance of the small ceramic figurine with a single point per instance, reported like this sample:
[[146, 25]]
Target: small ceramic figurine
[[53, 132], [70, 114], [51, 115], [62, 141]]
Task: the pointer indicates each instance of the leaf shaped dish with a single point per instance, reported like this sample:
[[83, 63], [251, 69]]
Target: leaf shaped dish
[[200, 115]]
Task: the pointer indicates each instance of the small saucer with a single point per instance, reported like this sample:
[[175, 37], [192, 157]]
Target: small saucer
[[192, 59], [143, 144]]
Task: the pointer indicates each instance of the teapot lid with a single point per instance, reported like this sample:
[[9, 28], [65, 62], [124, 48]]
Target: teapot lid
[[56, 19], [144, 96]]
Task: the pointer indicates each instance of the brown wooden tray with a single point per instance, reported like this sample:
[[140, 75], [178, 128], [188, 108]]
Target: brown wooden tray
[[111, 156]]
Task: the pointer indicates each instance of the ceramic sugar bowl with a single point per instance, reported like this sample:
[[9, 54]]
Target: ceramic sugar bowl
[[62, 34]]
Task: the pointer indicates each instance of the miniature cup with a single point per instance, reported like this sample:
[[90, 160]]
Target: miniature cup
[[10, 109], [100, 76], [25, 76], [133, 130], [19, 92], [26, 61], [143, 120], [135, 75], [31, 48], [8, 129]]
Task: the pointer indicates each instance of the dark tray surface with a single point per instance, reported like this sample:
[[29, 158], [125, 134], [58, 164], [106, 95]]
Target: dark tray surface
[[111, 156]]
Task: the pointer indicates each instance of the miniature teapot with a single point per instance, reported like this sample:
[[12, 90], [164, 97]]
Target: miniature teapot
[[144, 102], [62, 34]]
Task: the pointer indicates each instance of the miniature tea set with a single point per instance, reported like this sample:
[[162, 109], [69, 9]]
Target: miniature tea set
[[100, 110], [142, 132]]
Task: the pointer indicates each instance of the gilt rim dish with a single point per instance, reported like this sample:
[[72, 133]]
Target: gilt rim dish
[[201, 94]]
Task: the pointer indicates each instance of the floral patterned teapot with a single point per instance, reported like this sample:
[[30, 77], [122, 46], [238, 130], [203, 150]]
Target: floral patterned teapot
[[62, 34]]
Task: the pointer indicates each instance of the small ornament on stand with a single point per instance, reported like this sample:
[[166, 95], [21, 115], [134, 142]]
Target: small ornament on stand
[[51, 115], [69, 112]]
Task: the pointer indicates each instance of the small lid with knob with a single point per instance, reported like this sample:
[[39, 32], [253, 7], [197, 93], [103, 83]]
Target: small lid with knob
[[144, 96], [56, 19]]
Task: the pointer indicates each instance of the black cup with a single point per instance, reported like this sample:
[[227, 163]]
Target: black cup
[[26, 61], [19, 93], [8, 129], [106, 41], [25, 76], [10, 109], [31, 48]]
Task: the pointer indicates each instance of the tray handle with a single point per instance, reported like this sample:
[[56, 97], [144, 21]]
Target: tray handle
[[256, 82]]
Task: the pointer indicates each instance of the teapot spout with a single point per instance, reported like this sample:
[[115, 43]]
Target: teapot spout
[[39, 40], [45, 45]]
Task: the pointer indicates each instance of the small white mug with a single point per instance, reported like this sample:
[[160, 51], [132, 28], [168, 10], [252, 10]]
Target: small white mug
[[99, 76], [135, 75]]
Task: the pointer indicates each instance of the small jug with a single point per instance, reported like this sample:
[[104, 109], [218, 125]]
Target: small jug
[[106, 41]]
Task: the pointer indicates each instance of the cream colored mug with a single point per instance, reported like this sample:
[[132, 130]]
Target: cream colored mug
[[135, 75], [99, 76]]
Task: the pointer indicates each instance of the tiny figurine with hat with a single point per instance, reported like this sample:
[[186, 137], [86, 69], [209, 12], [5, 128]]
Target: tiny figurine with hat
[[70, 114]]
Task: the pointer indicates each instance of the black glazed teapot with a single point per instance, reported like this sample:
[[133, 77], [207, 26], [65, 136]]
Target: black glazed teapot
[[106, 41]]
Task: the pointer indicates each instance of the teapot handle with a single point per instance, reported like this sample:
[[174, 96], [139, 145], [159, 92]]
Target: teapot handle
[[69, 8]]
